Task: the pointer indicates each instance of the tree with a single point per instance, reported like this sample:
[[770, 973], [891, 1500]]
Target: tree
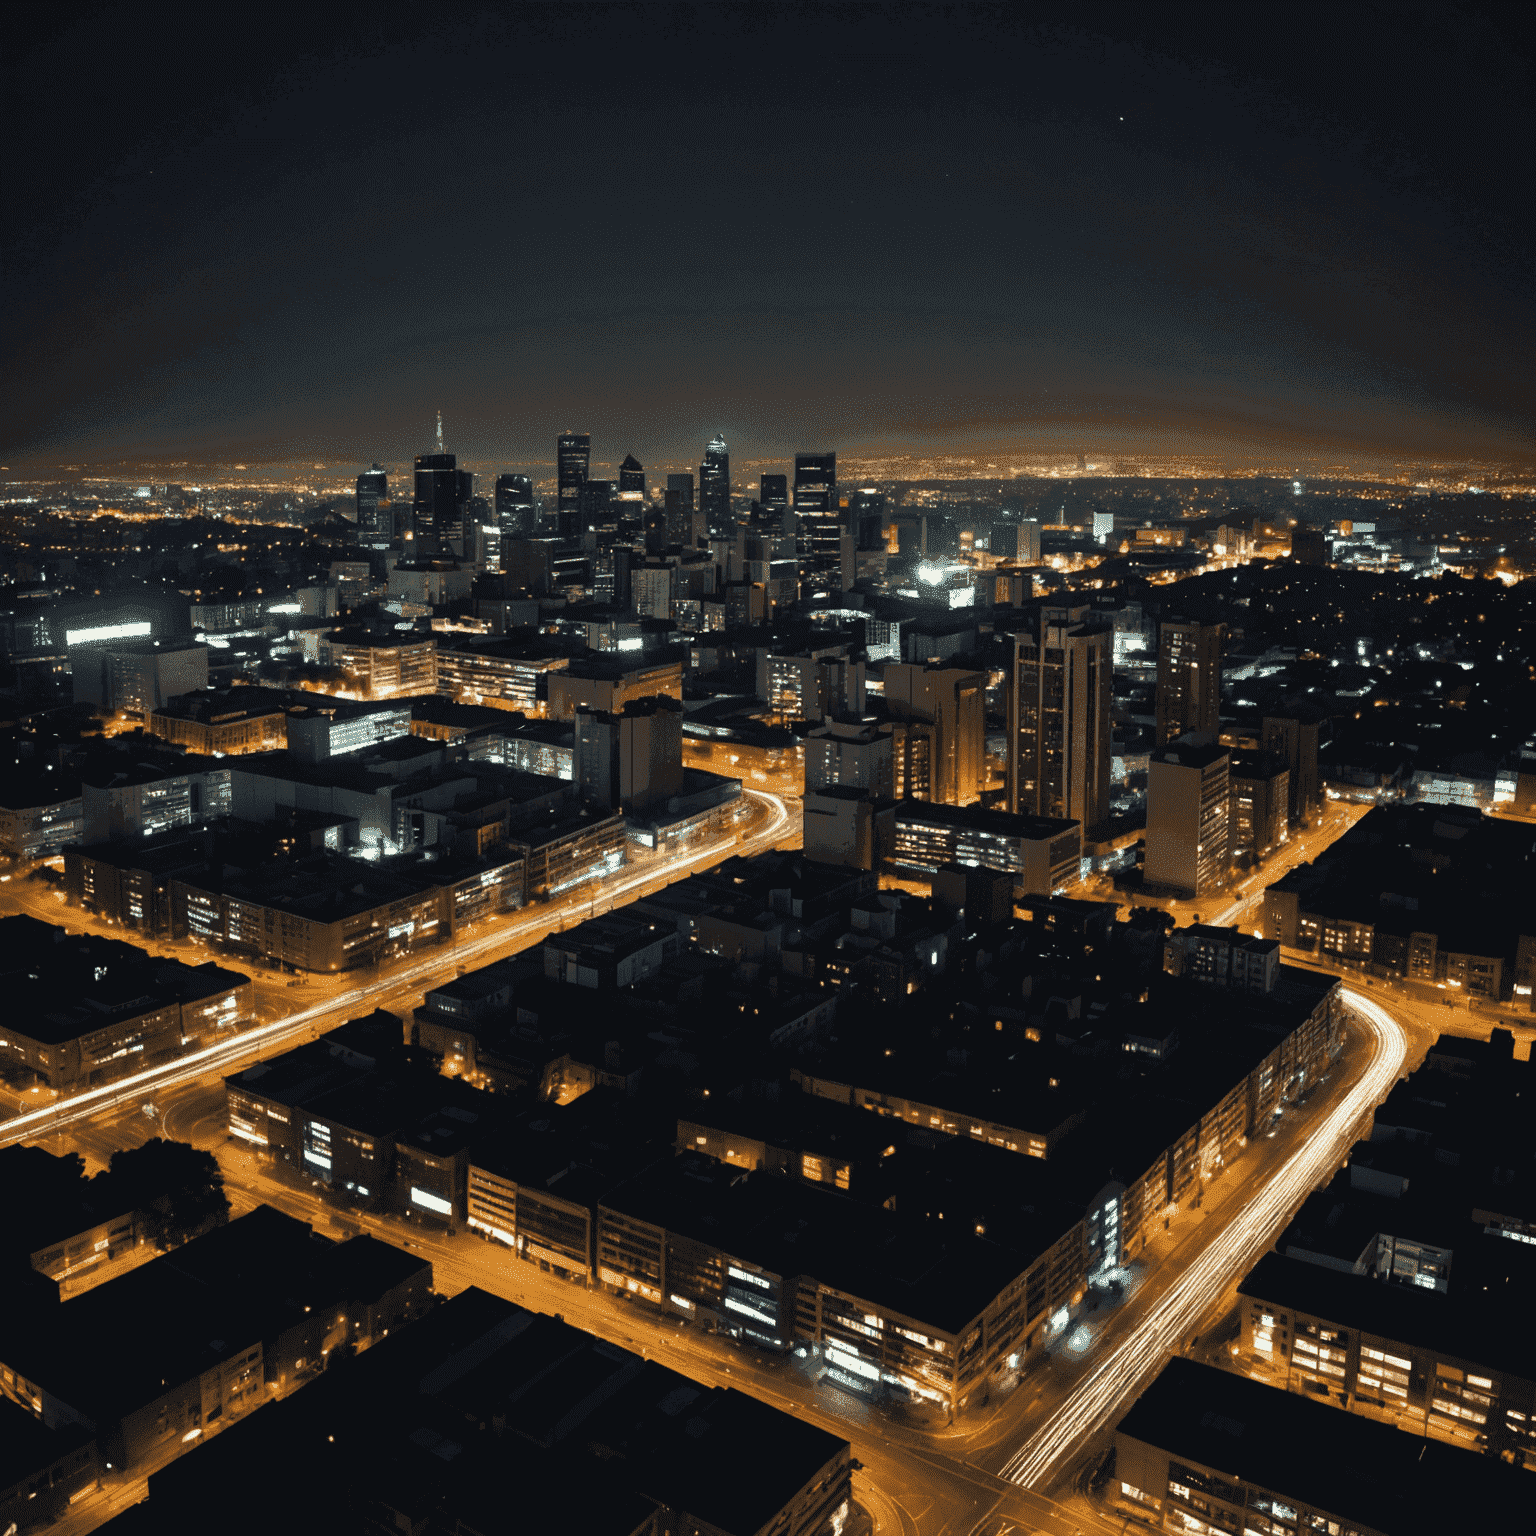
[[177, 1190]]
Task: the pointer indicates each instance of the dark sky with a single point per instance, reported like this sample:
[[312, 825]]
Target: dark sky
[[272, 235]]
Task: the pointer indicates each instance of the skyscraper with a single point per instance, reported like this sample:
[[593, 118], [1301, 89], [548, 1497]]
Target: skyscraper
[[435, 500], [715, 487], [1188, 679], [573, 456], [1058, 718], [514, 506], [375, 518], [631, 479], [774, 492], [817, 516], [1188, 816], [683, 523], [866, 516]]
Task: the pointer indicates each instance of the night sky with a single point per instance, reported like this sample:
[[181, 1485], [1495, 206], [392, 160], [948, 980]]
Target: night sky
[[270, 235]]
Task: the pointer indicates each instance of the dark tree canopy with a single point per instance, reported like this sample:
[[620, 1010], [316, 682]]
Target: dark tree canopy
[[177, 1190]]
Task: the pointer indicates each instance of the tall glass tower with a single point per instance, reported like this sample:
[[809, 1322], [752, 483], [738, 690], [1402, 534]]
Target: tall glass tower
[[715, 487], [573, 457], [375, 526]]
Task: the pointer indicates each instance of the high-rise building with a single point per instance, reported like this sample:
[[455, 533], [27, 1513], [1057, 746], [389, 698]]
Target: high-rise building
[[514, 506], [866, 517], [1188, 679], [434, 504], [375, 519], [950, 703], [1294, 739], [1027, 543], [684, 525], [715, 487], [1188, 816], [773, 492], [632, 759], [573, 457], [818, 520], [631, 479], [599, 506], [1058, 719], [1260, 814]]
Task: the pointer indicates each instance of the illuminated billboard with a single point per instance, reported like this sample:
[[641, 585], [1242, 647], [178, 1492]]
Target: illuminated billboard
[[105, 632]]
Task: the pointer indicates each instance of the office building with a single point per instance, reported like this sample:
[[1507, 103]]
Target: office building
[[336, 727], [1026, 548], [138, 678], [1042, 853], [854, 753], [221, 721], [1294, 739], [866, 517], [818, 519], [87, 1010], [814, 684], [1188, 679], [1208, 1450], [633, 759], [949, 765], [715, 488], [1260, 819], [771, 561], [683, 520], [375, 515], [144, 798], [573, 456], [514, 506], [1058, 719], [608, 683], [631, 479], [1188, 814], [41, 812], [384, 666], [437, 502], [773, 493], [842, 824]]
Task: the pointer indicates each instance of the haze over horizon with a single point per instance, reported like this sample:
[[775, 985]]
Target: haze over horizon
[[950, 234]]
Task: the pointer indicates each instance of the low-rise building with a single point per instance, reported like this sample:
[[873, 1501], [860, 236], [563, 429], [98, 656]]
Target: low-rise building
[[1203, 1449], [41, 813], [219, 721], [1043, 853]]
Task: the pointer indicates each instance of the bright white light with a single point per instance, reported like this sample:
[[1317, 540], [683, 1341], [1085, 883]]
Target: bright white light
[[105, 632], [286, 608], [431, 1202], [930, 573]]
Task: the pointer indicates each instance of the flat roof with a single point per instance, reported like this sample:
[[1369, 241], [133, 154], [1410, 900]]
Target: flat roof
[[978, 819], [1298, 1448]]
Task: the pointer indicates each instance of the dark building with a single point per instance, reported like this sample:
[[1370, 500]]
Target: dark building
[[1208, 1450], [1058, 719], [375, 517], [632, 477], [514, 506], [573, 456], [1293, 738], [1188, 679], [1309, 546], [866, 516], [715, 487], [818, 516], [599, 506], [435, 504], [773, 492]]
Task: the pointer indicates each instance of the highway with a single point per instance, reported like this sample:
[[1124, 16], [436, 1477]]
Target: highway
[[422, 972]]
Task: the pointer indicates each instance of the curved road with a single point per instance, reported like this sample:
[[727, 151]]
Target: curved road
[[501, 938], [1124, 1372]]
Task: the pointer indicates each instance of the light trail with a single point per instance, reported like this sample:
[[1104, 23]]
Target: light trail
[[1100, 1398], [82, 1106]]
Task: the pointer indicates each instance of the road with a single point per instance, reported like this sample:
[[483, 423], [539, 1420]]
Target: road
[[1012, 1467], [348, 997]]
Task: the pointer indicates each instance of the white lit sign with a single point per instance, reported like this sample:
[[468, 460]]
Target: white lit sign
[[431, 1202], [104, 632]]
